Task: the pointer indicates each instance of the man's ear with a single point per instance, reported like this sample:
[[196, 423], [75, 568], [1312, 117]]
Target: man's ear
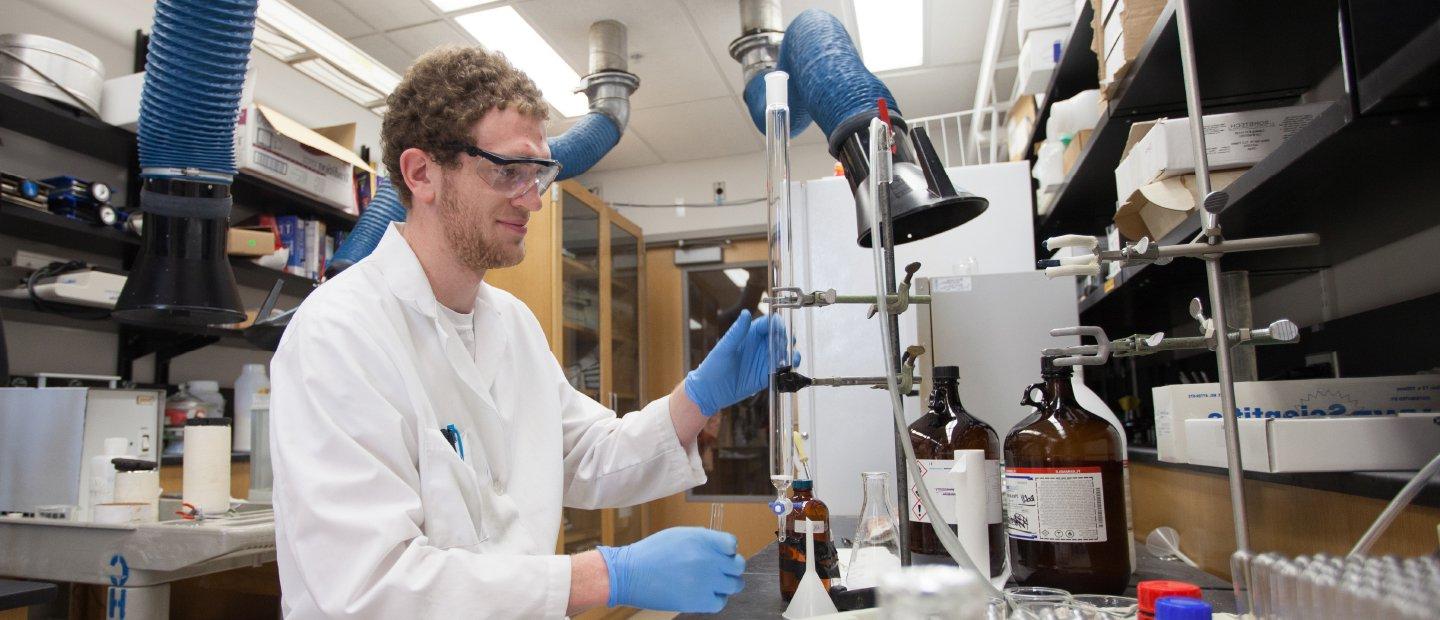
[[421, 174]]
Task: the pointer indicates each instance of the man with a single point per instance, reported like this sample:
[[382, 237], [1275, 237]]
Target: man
[[425, 437]]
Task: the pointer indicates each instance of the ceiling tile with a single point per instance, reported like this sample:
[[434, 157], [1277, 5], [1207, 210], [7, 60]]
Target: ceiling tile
[[955, 31], [672, 65], [384, 50], [697, 130], [334, 16], [417, 40], [392, 14], [630, 153]]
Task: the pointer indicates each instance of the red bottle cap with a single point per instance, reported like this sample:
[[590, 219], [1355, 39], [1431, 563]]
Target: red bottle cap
[[1150, 591]]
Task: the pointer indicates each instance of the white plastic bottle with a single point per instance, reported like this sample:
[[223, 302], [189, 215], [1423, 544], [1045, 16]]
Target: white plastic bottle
[[252, 391], [102, 474]]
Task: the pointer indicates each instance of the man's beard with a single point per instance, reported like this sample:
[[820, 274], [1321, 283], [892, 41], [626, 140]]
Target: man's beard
[[467, 238]]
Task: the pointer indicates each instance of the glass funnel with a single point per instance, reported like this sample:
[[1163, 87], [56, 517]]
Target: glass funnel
[[876, 549]]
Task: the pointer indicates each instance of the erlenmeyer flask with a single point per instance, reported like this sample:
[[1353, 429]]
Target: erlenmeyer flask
[[876, 550]]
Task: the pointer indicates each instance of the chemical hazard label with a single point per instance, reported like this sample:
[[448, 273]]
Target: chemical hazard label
[[1055, 504]]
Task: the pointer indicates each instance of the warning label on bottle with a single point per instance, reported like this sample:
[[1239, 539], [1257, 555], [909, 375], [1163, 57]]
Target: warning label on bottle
[[1055, 504], [936, 474], [941, 483]]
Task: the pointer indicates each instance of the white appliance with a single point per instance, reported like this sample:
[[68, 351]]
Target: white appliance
[[850, 429], [48, 435], [96, 289]]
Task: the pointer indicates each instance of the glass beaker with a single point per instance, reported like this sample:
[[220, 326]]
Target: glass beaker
[[876, 546], [1020, 595], [1106, 607], [1048, 611]]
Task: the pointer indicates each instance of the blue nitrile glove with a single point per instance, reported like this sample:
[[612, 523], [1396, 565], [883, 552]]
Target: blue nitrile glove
[[682, 569], [736, 368]]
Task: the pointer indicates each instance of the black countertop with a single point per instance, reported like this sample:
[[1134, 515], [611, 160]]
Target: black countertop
[[1384, 485], [761, 596], [17, 594]]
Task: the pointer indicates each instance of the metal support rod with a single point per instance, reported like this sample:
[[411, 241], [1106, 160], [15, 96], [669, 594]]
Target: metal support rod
[[870, 299], [1222, 247], [902, 478], [875, 382], [1213, 275]]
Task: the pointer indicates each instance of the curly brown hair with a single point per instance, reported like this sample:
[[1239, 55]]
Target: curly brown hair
[[442, 96]]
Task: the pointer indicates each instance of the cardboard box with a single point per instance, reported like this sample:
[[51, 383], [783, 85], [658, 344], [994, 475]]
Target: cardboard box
[[1401, 442], [1036, 14], [270, 145], [1039, 55], [1156, 209], [1077, 145], [1306, 398], [1161, 149], [1121, 27], [1019, 126], [250, 242]]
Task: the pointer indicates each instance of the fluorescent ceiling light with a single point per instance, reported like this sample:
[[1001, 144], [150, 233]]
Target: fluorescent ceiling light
[[447, 6], [739, 276], [327, 74], [892, 33], [504, 30], [283, 29]]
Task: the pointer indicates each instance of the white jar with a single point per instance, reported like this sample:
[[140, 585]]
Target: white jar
[[208, 391], [102, 475], [252, 391]]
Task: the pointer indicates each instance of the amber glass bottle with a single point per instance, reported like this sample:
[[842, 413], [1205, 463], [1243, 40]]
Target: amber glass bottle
[[792, 550], [1065, 493], [945, 428]]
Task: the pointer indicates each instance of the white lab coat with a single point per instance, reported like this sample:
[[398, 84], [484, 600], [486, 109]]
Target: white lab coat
[[377, 516]]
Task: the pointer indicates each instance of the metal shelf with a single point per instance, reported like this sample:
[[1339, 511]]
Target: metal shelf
[[1230, 36], [1408, 79], [263, 195], [65, 127], [1077, 70], [47, 227]]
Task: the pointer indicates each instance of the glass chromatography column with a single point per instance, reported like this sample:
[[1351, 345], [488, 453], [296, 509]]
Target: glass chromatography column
[[782, 283]]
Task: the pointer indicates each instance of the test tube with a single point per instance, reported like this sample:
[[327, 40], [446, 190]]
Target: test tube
[[782, 271]]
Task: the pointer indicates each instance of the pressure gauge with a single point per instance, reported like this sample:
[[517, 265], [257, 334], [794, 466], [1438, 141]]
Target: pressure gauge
[[107, 214], [100, 192]]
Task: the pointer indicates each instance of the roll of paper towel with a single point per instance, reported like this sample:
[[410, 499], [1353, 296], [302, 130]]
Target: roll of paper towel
[[206, 474]]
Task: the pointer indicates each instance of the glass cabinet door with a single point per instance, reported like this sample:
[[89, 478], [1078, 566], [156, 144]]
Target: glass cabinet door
[[624, 320], [624, 369], [580, 334]]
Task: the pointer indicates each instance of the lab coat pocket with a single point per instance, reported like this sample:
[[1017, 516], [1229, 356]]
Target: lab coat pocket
[[450, 493]]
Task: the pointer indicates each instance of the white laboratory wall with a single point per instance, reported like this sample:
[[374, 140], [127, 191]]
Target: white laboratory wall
[[692, 183], [850, 428]]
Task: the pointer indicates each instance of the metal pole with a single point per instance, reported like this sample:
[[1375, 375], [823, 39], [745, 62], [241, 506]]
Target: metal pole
[[902, 486], [1213, 277]]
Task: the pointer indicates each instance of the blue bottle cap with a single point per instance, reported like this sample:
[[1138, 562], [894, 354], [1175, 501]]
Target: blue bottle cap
[[1182, 608]]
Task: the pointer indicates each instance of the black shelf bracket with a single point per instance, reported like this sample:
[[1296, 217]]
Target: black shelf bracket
[[136, 343]]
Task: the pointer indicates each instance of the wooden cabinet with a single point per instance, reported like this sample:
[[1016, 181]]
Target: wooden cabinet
[[583, 278]]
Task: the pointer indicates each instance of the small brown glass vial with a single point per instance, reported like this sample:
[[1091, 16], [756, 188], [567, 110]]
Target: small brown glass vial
[[792, 549]]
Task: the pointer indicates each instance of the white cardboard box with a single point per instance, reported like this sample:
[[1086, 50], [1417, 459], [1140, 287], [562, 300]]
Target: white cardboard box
[[1329, 398], [271, 145], [1161, 149], [120, 100], [1038, 56], [1294, 445], [1037, 14]]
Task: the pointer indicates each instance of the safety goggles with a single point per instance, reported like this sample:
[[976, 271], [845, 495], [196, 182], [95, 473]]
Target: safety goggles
[[513, 176]]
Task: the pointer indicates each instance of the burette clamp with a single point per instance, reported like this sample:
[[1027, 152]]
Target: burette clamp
[[1083, 354]]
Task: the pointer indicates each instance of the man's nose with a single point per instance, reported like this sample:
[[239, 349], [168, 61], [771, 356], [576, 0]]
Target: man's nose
[[530, 200]]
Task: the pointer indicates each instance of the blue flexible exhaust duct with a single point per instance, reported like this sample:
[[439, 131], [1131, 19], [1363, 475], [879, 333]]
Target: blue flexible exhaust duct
[[195, 71], [830, 85], [608, 87]]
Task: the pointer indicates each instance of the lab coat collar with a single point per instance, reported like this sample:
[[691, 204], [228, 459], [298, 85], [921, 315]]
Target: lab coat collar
[[406, 279]]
